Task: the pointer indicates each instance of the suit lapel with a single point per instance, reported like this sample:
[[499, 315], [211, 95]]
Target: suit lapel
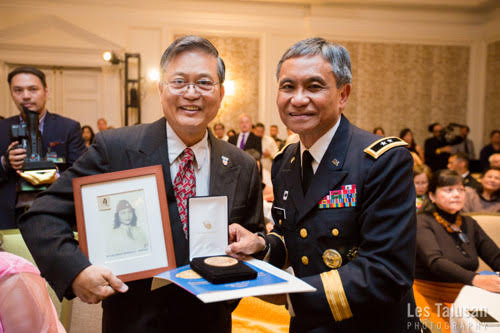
[[329, 173], [292, 175], [223, 173], [48, 132], [155, 149]]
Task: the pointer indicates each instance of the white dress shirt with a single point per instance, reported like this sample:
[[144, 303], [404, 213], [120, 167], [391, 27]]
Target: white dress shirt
[[201, 152], [270, 145], [318, 149]]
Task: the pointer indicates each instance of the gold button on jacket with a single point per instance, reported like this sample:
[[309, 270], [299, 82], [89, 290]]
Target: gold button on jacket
[[305, 260]]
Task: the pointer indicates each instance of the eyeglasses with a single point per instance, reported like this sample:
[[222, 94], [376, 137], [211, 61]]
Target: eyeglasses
[[181, 86]]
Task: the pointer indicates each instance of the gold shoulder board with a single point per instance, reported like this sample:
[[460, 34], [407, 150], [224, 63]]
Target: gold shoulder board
[[379, 147]]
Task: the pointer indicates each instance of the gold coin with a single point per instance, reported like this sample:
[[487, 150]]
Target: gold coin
[[188, 275], [221, 261]]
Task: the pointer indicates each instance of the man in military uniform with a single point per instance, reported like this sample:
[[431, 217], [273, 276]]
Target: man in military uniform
[[344, 205]]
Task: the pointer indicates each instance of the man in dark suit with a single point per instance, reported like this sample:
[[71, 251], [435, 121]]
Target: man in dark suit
[[60, 135], [460, 163], [344, 205], [191, 91], [246, 140]]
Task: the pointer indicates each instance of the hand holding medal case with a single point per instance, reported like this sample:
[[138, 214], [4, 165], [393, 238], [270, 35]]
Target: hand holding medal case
[[208, 239]]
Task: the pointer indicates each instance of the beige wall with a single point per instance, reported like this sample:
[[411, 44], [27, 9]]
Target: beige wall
[[76, 32], [492, 99], [400, 85]]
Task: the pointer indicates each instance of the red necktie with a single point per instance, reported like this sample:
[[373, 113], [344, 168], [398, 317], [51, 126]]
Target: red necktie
[[185, 186]]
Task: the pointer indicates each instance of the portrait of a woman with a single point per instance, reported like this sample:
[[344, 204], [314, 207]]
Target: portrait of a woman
[[126, 236]]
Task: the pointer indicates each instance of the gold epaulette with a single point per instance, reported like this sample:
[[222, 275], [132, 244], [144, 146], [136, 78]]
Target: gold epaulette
[[379, 147], [282, 150]]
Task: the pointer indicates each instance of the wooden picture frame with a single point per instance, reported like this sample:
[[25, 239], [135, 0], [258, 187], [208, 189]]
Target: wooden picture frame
[[123, 222]]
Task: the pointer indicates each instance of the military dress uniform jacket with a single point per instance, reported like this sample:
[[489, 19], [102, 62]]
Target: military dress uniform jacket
[[47, 229], [61, 134], [360, 255]]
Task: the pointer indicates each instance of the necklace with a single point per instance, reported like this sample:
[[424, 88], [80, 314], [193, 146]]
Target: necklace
[[452, 227]]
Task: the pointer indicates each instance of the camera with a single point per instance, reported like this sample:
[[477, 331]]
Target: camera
[[451, 134]]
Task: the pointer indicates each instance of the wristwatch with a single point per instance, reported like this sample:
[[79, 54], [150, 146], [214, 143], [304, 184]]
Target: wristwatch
[[263, 252]]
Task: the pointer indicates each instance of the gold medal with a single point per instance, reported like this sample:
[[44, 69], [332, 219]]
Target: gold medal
[[221, 261], [188, 275], [332, 258]]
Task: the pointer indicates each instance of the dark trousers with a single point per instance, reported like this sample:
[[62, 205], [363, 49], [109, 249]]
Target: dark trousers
[[167, 309]]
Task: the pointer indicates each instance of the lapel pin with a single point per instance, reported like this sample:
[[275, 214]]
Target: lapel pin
[[335, 162], [225, 160], [293, 159], [285, 195]]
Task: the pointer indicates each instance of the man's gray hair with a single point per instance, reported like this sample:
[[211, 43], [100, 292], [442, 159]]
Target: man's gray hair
[[335, 54], [190, 43]]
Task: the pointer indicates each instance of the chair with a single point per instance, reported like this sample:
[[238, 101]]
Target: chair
[[490, 222]]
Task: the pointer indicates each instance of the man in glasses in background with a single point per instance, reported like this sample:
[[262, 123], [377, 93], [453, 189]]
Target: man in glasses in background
[[194, 162]]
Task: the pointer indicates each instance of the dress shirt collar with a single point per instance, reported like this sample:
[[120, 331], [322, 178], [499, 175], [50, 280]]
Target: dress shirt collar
[[318, 149], [176, 146]]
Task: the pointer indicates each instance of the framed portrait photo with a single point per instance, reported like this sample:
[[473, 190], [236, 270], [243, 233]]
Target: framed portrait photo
[[123, 222]]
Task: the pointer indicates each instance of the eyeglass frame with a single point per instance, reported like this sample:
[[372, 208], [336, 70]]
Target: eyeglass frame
[[196, 88]]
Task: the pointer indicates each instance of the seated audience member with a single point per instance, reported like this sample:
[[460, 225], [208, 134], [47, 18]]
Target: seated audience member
[[230, 133], [219, 132], [494, 160], [246, 139], [492, 148], [460, 163], [379, 131], [102, 124], [407, 135], [487, 197], [87, 135], [421, 175], [269, 146], [466, 146], [25, 305], [436, 149], [273, 133], [448, 247], [267, 189]]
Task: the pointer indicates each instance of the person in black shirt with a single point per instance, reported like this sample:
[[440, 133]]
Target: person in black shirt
[[490, 149], [436, 149], [448, 247]]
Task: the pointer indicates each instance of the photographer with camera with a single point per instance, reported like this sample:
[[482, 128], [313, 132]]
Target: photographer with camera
[[438, 148], [56, 136]]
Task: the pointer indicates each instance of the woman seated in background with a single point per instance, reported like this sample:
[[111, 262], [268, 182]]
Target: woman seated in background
[[448, 246], [407, 135], [88, 135], [421, 175], [378, 131], [488, 198], [25, 305]]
